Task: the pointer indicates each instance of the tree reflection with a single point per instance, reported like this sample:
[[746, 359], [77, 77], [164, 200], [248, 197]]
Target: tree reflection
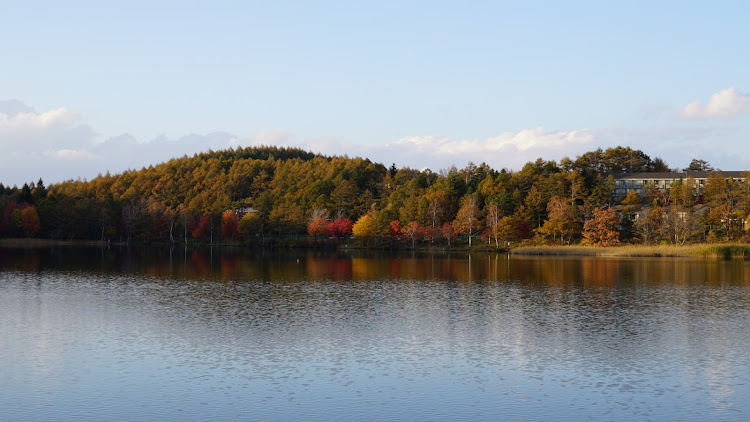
[[245, 264]]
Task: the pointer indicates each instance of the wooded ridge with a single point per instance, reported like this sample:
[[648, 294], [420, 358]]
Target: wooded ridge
[[255, 193]]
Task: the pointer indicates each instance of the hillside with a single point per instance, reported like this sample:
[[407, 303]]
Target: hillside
[[294, 192]]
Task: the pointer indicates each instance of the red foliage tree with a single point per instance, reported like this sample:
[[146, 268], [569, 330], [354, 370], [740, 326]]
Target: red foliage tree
[[414, 231], [333, 229], [229, 223], [448, 232], [394, 229], [318, 227], [522, 229], [340, 227], [202, 227], [345, 226]]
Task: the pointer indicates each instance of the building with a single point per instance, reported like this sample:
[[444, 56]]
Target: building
[[244, 209], [638, 182]]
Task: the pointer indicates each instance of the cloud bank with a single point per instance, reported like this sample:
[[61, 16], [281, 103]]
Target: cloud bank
[[726, 103], [509, 149], [58, 145], [24, 130]]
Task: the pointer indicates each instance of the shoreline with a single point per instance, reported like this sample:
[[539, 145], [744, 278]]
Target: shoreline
[[723, 250], [41, 243], [270, 243]]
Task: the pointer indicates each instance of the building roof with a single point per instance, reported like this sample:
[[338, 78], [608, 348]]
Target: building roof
[[677, 175]]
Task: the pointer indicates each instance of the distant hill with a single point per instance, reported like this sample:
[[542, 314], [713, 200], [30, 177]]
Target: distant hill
[[198, 198]]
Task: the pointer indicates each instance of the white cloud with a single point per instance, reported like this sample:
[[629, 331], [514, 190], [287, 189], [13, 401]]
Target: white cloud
[[23, 130], [523, 140], [34, 121], [56, 145], [726, 103], [509, 149]]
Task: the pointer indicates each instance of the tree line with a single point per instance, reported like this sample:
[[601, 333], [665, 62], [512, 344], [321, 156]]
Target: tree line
[[297, 193]]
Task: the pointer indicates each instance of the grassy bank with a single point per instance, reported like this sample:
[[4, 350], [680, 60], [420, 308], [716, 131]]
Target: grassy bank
[[697, 250]]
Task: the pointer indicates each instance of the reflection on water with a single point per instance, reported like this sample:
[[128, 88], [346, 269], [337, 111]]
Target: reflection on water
[[240, 264], [112, 334]]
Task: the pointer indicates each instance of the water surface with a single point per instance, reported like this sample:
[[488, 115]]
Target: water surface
[[154, 334]]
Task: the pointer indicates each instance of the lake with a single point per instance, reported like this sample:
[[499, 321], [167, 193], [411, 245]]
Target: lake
[[216, 334]]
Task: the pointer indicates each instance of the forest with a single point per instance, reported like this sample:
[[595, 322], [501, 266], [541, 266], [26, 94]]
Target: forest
[[295, 194]]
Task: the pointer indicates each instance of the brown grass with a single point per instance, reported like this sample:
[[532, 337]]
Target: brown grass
[[697, 250]]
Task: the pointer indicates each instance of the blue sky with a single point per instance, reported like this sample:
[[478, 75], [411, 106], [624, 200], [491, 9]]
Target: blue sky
[[90, 87]]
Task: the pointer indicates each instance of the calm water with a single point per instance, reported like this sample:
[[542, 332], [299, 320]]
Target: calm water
[[154, 334]]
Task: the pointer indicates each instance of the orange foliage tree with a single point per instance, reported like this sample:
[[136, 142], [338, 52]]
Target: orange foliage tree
[[467, 220], [448, 232], [30, 221], [601, 228], [229, 223], [318, 227]]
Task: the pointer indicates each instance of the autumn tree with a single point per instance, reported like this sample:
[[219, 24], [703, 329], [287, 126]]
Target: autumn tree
[[413, 231], [318, 226], [346, 226], [493, 219], [344, 197], [681, 193], [434, 205], [264, 208], [394, 229], [602, 228], [30, 221], [563, 221], [249, 225], [340, 227], [202, 227], [506, 229], [744, 195], [723, 196], [467, 219], [601, 193], [631, 201], [535, 206], [648, 225], [366, 226], [229, 224], [448, 232], [678, 224]]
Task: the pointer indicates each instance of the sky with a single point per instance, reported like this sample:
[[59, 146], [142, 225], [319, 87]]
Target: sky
[[91, 87]]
